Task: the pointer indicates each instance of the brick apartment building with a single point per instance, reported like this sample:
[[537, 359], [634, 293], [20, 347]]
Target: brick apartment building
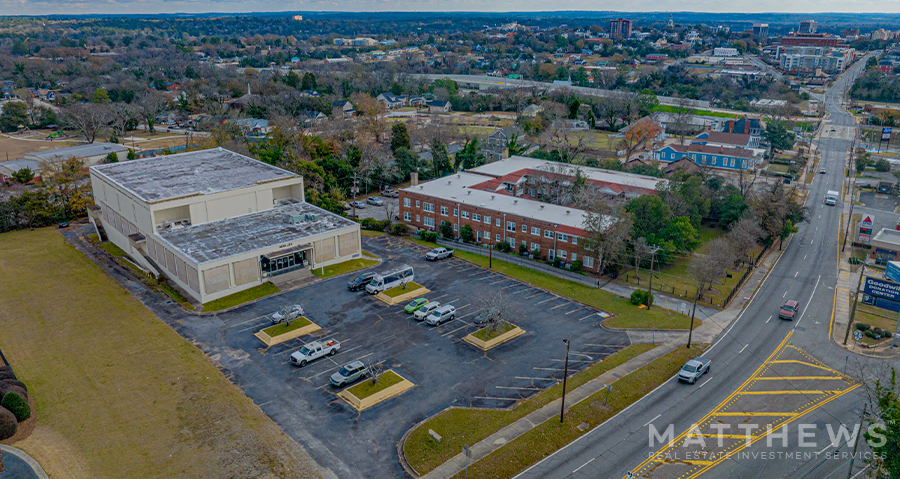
[[499, 201]]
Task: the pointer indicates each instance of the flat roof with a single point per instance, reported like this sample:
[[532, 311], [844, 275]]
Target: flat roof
[[457, 188], [252, 232], [516, 163], [197, 172], [79, 151], [887, 236], [15, 165]]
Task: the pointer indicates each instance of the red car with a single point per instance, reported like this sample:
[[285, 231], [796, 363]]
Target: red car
[[789, 309]]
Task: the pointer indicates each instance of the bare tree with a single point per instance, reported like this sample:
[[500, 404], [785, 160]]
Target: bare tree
[[119, 115], [376, 370], [391, 208], [150, 105], [744, 236], [86, 119], [683, 116], [568, 144], [608, 226], [496, 308], [640, 250]]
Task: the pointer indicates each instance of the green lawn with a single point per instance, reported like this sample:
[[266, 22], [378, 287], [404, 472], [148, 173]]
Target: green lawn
[[394, 292], [370, 233], [708, 234], [366, 388], [487, 334], [675, 109], [281, 328], [112, 249], [118, 393], [345, 267], [627, 313], [240, 297], [550, 435], [460, 426], [875, 317]]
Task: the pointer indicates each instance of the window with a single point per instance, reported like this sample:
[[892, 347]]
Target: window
[[550, 255], [406, 202], [429, 221], [574, 257], [574, 240], [535, 230], [560, 253], [417, 203], [562, 237], [478, 236], [497, 222], [476, 217], [429, 207], [548, 234], [535, 246], [444, 211], [732, 162], [511, 240], [524, 244], [487, 236], [588, 262], [418, 218], [487, 219], [455, 227], [498, 237], [524, 229], [510, 226], [454, 212], [406, 216], [465, 215]]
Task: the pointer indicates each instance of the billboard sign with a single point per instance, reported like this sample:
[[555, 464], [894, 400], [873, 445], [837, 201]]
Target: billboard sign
[[882, 289], [867, 221], [886, 134], [893, 271]]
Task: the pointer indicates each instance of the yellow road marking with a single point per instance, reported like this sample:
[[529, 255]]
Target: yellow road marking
[[690, 463], [796, 378], [729, 398], [741, 414], [724, 436], [794, 361], [763, 393]]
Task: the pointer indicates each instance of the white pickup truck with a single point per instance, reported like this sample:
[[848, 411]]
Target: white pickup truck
[[315, 350], [831, 197]]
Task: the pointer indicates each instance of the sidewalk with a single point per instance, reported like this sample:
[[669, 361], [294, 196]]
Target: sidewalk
[[660, 299], [706, 333]]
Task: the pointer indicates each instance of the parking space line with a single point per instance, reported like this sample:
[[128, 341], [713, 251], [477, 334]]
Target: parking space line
[[496, 282], [573, 360], [575, 310], [589, 316], [604, 345], [547, 369], [521, 290], [332, 369], [559, 306], [255, 326], [455, 330], [510, 286], [549, 299], [514, 387], [537, 294], [247, 321], [498, 399], [535, 379]]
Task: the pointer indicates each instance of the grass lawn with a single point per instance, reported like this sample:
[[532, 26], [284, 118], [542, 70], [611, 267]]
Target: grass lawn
[[778, 168], [366, 388], [468, 426], [240, 297], [112, 249], [487, 334], [627, 313], [403, 289], [119, 394], [345, 267], [674, 109], [875, 317], [370, 234], [600, 139], [550, 435], [281, 328], [708, 234]]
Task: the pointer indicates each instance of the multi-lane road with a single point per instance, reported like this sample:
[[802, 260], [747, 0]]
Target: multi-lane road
[[765, 371]]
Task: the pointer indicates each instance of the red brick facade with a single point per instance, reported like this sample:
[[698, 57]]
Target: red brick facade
[[424, 212]]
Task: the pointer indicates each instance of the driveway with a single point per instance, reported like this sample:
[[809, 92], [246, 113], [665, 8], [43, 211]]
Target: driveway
[[446, 371]]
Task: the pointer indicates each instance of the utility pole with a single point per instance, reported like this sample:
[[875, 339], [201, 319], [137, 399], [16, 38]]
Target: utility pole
[[856, 444], [862, 272], [693, 310], [654, 249], [562, 405], [353, 193], [850, 188]]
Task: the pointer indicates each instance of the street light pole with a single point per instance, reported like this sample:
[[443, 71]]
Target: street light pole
[[653, 252], [862, 272], [693, 310], [562, 405]]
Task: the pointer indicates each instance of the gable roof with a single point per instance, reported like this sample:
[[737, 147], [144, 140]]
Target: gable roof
[[712, 150], [725, 138]]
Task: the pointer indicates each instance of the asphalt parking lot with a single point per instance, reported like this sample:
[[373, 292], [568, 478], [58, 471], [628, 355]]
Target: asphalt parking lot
[[446, 371]]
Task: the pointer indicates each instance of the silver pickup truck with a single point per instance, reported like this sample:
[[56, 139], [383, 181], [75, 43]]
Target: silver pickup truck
[[315, 350], [693, 369]]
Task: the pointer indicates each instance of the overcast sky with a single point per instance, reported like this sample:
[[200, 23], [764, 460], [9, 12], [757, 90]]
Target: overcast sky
[[43, 7]]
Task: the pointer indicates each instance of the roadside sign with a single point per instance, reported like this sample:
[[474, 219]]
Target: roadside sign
[[893, 271], [886, 133], [864, 238], [882, 289], [868, 220]]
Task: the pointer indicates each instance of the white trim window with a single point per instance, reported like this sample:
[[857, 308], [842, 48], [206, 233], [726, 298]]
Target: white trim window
[[535, 230], [535, 246], [548, 234], [561, 253], [511, 226], [550, 254], [562, 237], [406, 216], [476, 217], [574, 257], [487, 219], [497, 222], [574, 240], [406, 202], [455, 212], [417, 204], [429, 221], [524, 228], [455, 227], [444, 210], [498, 237], [487, 236], [418, 218], [465, 215], [428, 207], [588, 261]]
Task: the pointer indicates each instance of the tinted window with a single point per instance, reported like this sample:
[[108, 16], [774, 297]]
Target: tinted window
[[689, 368]]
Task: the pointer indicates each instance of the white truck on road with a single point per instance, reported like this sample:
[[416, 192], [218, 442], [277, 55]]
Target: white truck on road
[[315, 350], [831, 197]]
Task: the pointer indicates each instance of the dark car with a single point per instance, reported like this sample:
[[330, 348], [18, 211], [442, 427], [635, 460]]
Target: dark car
[[64, 224], [361, 281], [789, 309]]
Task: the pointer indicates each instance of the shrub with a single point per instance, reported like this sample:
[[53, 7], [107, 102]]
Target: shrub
[[576, 266], [523, 249], [375, 225], [639, 296], [504, 246], [862, 326], [6, 372], [557, 262], [536, 253], [17, 405], [399, 229], [870, 334], [8, 424], [431, 237], [6, 388], [447, 230], [467, 234], [878, 331]]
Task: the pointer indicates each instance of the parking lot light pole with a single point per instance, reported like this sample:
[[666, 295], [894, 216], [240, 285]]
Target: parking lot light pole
[[562, 406]]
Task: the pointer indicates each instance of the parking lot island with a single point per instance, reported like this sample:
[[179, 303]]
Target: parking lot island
[[487, 339], [402, 294], [280, 333], [365, 395]]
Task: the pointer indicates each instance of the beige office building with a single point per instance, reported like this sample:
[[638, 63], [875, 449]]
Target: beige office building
[[215, 222]]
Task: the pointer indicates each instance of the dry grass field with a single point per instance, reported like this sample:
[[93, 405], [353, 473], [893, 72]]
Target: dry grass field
[[119, 394], [17, 147]]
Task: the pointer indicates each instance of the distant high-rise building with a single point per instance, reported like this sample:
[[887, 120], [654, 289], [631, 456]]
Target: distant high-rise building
[[620, 28], [671, 23], [807, 26], [761, 30], [850, 33]]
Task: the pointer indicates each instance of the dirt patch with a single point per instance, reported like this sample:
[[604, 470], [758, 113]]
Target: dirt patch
[[17, 148], [55, 454]]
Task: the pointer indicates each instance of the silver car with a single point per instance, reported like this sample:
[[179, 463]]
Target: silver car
[[693, 370], [351, 372]]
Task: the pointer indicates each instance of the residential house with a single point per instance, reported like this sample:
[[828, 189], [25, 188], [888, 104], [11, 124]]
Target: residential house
[[311, 117], [344, 107], [416, 100], [439, 106], [392, 101], [91, 153], [747, 126], [733, 140], [496, 148], [251, 126], [532, 110], [710, 156]]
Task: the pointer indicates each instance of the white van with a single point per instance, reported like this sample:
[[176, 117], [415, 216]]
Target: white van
[[390, 279]]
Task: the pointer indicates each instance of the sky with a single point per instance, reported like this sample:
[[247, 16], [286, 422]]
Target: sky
[[44, 7]]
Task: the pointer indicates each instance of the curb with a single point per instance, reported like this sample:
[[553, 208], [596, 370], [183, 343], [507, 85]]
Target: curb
[[38, 470]]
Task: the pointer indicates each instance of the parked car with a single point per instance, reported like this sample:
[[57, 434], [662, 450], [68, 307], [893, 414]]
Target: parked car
[[347, 206], [390, 193], [415, 304], [374, 200], [426, 310], [351, 372], [693, 370], [441, 315], [438, 253], [361, 281], [789, 309], [315, 350], [290, 313], [358, 205], [64, 224], [485, 316]]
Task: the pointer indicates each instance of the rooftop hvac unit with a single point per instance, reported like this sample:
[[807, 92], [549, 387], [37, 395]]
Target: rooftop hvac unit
[[294, 218]]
